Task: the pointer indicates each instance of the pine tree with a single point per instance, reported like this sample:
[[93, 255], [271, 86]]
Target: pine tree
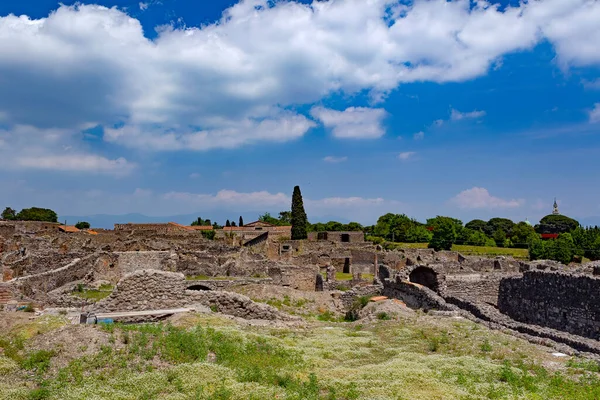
[[227, 223], [241, 222], [299, 219]]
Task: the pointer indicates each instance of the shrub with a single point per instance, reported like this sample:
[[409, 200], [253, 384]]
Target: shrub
[[383, 316]]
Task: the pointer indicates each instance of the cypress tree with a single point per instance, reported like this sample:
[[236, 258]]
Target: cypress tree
[[227, 223], [299, 219], [241, 222]]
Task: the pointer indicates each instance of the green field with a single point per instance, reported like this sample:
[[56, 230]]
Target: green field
[[487, 251], [209, 357]]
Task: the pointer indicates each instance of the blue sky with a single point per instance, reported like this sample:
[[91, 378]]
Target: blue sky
[[429, 107]]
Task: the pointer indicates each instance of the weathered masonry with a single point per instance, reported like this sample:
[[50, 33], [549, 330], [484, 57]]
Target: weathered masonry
[[558, 300]]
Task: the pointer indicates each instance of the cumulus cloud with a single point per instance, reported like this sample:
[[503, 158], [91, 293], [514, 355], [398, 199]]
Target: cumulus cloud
[[477, 197], [334, 160], [456, 115], [228, 84], [352, 123], [27, 147], [406, 155], [595, 114], [419, 135], [76, 163]]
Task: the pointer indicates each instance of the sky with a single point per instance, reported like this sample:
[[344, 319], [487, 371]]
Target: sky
[[425, 107]]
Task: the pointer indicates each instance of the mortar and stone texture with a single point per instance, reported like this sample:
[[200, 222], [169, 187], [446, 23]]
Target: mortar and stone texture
[[559, 300], [159, 290]]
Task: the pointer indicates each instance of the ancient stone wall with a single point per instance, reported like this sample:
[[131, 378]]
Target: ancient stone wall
[[36, 286], [482, 287], [131, 261], [557, 300], [159, 290], [414, 295]]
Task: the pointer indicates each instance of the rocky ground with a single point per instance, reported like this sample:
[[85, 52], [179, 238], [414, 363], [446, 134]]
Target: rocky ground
[[390, 352]]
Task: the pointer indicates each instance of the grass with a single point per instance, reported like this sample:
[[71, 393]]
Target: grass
[[93, 294], [343, 276], [466, 250], [418, 357]]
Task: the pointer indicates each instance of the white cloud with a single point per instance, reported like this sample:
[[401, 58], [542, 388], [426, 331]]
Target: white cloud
[[202, 87], [334, 160], [143, 6], [406, 155], [593, 85], [283, 126], [595, 114], [76, 163], [456, 115], [477, 197], [195, 175], [27, 147], [419, 135], [353, 123]]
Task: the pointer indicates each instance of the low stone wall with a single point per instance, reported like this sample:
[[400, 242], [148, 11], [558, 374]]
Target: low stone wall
[[156, 290], [131, 261], [415, 296], [36, 286], [558, 300], [496, 320], [475, 286], [348, 297], [212, 284]]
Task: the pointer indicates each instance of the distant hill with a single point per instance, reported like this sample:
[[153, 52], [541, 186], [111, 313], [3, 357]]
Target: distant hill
[[108, 221]]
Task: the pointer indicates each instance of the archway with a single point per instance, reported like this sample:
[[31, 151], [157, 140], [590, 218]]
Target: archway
[[199, 287], [426, 277]]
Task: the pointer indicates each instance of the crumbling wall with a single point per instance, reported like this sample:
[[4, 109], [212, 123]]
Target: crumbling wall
[[131, 261], [480, 287], [36, 286], [558, 300], [159, 290], [414, 295]]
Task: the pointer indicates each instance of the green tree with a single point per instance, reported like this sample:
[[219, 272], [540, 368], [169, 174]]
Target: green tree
[[354, 227], [537, 249], [233, 224], [269, 219], [37, 214], [299, 219], [477, 238], [241, 221], [496, 224], [394, 227], [9, 213], [227, 223], [522, 234], [499, 237], [200, 222], [82, 225], [285, 217], [556, 224], [476, 225], [562, 249], [418, 234], [444, 233]]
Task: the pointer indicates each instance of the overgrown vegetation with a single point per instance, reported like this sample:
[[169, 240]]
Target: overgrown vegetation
[[415, 358]]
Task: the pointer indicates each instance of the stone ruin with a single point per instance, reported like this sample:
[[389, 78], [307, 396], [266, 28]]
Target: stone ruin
[[541, 301]]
